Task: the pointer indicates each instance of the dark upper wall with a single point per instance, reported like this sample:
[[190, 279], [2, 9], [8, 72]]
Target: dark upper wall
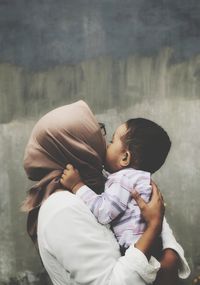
[[40, 34]]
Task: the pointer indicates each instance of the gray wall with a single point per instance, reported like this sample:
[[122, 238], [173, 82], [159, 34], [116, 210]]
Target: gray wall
[[126, 59]]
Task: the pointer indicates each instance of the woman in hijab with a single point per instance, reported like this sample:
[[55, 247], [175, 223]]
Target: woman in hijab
[[72, 245]]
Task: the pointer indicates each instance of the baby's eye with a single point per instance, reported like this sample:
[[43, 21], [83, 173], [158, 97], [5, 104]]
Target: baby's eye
[[110, 141]]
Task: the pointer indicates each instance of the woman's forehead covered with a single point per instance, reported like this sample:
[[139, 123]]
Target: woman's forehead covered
[[73, 118]]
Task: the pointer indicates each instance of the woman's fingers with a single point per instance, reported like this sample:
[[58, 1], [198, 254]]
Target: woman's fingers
[[136, 196], [152, 211], [157, 199], [156, 194], [156, 189]]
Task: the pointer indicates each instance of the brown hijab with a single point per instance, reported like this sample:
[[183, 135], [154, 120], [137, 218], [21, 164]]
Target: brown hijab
[[69, 134]]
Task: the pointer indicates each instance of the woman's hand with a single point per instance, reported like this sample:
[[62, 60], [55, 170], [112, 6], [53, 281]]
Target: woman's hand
[[153, 213]]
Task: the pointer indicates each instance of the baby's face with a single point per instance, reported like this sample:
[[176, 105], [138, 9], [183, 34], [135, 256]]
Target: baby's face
[[115, 150]]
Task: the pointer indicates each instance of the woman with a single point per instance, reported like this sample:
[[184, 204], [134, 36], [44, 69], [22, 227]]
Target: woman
[[72, 245]]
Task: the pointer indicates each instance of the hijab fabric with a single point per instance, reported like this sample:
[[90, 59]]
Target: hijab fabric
[[68, 134]]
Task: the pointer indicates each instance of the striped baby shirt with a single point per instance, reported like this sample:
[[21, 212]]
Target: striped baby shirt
[[115, 205]]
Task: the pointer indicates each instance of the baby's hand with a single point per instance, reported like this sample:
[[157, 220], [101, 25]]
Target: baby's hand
[[71, 179]]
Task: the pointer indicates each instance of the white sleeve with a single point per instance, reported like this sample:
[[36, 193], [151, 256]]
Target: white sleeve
[[169, 241], [89, 251], [134, 268]]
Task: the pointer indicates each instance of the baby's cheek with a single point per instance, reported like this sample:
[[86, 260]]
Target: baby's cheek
[[108, 154]]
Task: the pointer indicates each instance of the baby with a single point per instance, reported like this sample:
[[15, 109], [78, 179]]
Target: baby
[[138, 148]]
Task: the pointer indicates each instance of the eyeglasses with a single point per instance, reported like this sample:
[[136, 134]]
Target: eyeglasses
[[103, 128]]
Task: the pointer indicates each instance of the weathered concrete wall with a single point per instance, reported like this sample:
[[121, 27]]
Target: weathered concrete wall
[[148, 87], [113, 56]]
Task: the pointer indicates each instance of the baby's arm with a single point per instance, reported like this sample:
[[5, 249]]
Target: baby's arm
[[105, 207]]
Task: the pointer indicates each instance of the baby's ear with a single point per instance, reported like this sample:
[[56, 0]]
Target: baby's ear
[[126, 158]]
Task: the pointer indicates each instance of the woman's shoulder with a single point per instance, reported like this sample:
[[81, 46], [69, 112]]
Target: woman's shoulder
[[62, 197], [61, 201]]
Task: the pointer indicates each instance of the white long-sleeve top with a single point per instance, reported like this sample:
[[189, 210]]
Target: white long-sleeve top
[[76, 249]]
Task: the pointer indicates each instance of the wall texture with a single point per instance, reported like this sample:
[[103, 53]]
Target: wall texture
[[125, 59]]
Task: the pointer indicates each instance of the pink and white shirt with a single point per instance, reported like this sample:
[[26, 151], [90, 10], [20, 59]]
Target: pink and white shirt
[[115, 205]]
